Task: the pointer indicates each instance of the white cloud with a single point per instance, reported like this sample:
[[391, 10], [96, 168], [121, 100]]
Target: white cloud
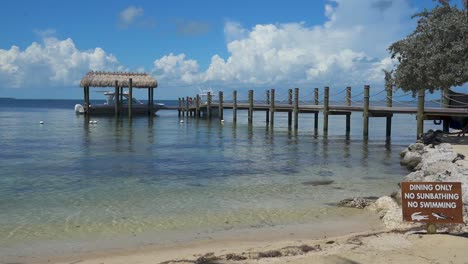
[[129, 14], [350, 48], [53, 63]]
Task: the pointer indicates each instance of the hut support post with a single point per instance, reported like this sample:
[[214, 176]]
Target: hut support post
[[208, 105], [272, 108], [87, 99], [420, 114], [316, 114], [116, 98], [182, 106], [388, 130], [152, 101], [187, 106], [234, 106], [365, 112], [296, 108], [220, 109], [325, 109], [290, 102], [348, 116], [267, 115], [446, 102], [130, 97], [178, 108], [250, 114]]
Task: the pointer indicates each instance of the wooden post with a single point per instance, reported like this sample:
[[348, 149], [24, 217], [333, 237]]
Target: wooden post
[[220, 105], [348, 116], [152, 102], [272, 108], [182, 106], [87, 99], [388, 130], [208, 105], [197, 106], [325, 109], [420, 114], [179, 107], [130, 97], [250, 114], [187, 106], [267, 115], [316, 102], [365, 113], [296, 108], [234, 106], [116, 98], [446, 102], [290, 102]]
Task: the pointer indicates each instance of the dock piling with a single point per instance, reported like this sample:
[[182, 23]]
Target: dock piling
[[220, 105], [267, 115], [420, 113], [234, 106], [130, 97], [325, 109], [348, 116], [272, 109], [208, 106], [290, 102], [296, 108], [116, 96], [250, 114], [365, 112], [388, 129], [316, 115]]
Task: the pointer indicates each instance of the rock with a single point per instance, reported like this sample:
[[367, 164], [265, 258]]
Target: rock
[[357, 202], [416, 147], [396, 195], [390, 213], [432, 137], [411, 160], [403, 152], [318, 182]]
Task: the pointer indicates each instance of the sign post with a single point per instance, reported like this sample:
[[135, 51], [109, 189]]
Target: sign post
[[432, 202]]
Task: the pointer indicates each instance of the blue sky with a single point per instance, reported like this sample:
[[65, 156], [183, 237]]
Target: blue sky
[[47, 46]]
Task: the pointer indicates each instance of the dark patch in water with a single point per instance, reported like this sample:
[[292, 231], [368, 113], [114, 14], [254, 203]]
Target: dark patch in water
[[371, 178], [195, 184], [338, 188], [318, 183], [326, 173]]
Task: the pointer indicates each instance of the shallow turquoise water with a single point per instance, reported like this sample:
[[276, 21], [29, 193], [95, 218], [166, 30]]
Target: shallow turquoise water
[[67, 179]]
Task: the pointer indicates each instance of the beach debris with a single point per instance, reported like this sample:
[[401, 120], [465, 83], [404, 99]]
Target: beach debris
[[235, 257], [270, 254], [318, 182], [330, 242], [41, 122], [357, 202], [208, 258]]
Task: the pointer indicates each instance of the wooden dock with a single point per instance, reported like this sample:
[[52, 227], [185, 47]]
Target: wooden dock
[[196, 107]]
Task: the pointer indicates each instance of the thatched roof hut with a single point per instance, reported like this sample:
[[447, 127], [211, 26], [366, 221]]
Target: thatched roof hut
[[107, 79]]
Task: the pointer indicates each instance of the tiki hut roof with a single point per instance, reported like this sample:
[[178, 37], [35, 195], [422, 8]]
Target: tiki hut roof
[[107, 79]]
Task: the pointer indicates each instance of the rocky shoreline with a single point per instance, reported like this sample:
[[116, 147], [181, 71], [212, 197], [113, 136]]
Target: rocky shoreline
[[427, 163]]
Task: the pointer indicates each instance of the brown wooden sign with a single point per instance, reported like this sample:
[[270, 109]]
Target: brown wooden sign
[[433, 202]]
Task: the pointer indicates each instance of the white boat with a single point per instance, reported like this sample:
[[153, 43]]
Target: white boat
[[108, 107]]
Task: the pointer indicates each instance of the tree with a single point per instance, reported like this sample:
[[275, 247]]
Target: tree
[[435, 55]]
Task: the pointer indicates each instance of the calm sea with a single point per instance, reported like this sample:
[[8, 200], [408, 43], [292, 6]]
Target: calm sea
[[67, 180]]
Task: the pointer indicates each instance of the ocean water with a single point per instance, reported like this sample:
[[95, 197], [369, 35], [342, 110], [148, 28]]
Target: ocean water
[[68, 180]]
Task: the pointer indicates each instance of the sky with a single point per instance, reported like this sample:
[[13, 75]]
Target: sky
[[46, 46]]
